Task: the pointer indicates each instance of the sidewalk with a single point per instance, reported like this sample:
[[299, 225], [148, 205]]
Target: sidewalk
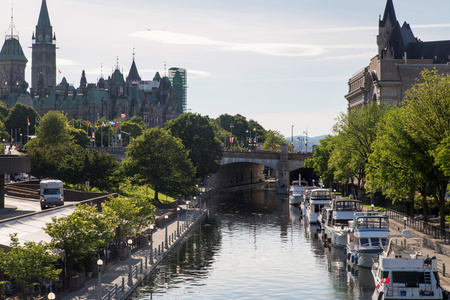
[[115, 279]]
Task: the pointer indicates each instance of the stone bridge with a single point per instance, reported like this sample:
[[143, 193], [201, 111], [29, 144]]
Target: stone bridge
[[239, 167]]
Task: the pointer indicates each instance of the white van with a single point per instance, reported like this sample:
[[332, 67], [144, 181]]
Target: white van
[[51, 193]]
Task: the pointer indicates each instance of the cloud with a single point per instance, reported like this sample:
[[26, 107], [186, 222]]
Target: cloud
[[274, 49], [342, 57], [65, 62]]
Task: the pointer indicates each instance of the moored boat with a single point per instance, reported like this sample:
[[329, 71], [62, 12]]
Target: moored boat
[[402, 272], [318, 199], [336, 220], [366, 238], [296, 191]]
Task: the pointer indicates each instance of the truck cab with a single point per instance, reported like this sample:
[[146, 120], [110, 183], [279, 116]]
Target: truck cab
[[51, 193]]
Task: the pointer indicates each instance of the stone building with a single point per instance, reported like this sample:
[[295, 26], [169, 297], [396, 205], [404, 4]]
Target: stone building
[[110, 98], [400, 59]]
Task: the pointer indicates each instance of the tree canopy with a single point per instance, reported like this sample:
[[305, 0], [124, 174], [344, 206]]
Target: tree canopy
[[204, 149], [160, 160]]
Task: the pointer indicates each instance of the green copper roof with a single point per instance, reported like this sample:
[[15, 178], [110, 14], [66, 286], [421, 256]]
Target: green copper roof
[[117, 78], [97, 96], [44, 19], [12, 50], [135, 93]]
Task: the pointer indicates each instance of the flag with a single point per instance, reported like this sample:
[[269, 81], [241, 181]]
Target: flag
[[93, 135], [59, 71], [112, 123], [123, 115], [89, 123], [28, 121], [103, 124]]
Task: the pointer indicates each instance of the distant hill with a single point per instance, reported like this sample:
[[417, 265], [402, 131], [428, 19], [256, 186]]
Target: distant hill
[[312, 141]]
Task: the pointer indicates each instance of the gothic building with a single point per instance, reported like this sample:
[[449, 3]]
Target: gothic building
[[43, 62], [12, 66], [400, 59], [110, 98]]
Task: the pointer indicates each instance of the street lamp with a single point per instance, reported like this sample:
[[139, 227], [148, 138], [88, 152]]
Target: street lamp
[[178, 221], [130, 277], [371, 205], [99, 287], [166, 217], [187, 213], [51, 296], [151, 243], [404, 222]]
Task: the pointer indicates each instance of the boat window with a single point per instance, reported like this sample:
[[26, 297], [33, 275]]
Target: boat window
[[384, 242], [375, 242], [364, 242], [385, 274], [410, 279]]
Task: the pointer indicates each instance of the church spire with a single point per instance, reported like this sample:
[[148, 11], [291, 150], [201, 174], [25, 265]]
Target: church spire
[[44, 30], [389, 14]]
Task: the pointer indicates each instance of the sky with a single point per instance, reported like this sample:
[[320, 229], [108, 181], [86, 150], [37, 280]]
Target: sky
[[282, 63]]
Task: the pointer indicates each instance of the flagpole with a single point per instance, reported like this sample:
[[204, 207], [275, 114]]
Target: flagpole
[[101, 140]]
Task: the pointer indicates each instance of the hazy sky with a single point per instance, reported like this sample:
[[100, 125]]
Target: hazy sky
[[279, 62]]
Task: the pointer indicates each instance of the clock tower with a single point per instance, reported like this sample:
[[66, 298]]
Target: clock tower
[[43, 61]]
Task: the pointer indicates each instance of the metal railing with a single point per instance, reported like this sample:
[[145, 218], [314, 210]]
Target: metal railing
[[420, 225]]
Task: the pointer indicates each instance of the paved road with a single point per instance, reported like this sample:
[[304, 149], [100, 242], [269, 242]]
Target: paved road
[[17, 206]]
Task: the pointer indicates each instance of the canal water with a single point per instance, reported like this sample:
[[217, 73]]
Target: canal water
[[254, 245]]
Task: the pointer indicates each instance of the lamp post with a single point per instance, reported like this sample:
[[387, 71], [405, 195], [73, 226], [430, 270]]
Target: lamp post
[[254, 141], [292, 137], [178, 221], [371, 205], [404, 222], [166, 217], [231, 135], [99, 286], [187, 214], [130, 277], [151, 243], [51, 296]]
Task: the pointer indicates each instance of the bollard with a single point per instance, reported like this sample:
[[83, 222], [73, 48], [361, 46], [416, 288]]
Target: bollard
[[141, 265], [159, 250], [123, 284]]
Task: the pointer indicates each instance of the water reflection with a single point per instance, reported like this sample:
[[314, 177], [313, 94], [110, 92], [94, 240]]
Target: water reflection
[[255, 245]]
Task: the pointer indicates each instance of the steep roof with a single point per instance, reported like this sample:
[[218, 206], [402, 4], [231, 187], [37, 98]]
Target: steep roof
[[117, 78], [44, 19], [12, 50], [133, 75], [389, 14]]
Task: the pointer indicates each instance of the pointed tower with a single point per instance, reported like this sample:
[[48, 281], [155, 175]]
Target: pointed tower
[[386, 28], [133, 76], [43, 64], [12, 65]]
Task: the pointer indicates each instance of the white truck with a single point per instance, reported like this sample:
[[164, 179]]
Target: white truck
[[51, 193]]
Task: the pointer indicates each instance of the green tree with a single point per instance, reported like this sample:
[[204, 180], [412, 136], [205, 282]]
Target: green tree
[[399, 165], [102, 171], [321, 158], [198, 138], [355, 133], [79, 137], [131, 215], [53, 129], [26, 265], [82, 233], [427, 119], [160, 160], [273, 141], [18, 118]]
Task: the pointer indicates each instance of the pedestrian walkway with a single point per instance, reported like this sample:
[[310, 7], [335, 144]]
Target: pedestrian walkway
[[115, 281], [432, 247]]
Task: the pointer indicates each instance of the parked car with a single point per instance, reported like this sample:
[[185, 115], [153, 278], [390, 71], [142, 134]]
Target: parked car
[[23, 177]]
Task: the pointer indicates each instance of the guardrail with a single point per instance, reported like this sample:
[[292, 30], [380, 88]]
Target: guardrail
[[420, 225], [21, 191]]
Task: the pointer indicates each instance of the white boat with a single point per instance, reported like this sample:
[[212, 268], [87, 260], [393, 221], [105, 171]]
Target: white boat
[[402, 272], [318, 199], [366, 238], [305, 201], [296, 191], [336, 218]]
